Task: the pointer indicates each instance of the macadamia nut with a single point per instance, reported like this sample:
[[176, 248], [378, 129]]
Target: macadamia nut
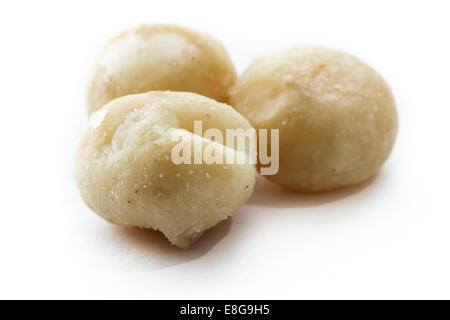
[[336, 115], [160, 57], [125, 172]]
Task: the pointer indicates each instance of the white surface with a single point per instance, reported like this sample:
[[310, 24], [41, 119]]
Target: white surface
[[387, 239]]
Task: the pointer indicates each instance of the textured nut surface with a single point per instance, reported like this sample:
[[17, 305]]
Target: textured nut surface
[[125, 173], [336, 115], [160, 57]]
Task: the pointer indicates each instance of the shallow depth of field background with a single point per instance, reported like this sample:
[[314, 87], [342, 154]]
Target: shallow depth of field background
[[388, 238]]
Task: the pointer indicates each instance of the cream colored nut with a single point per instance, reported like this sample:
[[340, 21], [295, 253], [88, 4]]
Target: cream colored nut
[[125, 172], [336, 115], [160, 57]]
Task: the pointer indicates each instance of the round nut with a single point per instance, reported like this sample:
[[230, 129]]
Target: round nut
[[336, 115], [126, 174], [160, 57]]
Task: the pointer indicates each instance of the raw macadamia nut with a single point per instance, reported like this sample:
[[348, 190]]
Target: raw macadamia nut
[[160, 57], [336, 115], [125, 172]]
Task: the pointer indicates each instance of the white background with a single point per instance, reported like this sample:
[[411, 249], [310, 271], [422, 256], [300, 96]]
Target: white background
[[389, 238]]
